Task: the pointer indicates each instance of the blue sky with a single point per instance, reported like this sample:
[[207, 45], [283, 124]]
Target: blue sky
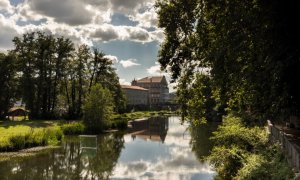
[[125, 30]]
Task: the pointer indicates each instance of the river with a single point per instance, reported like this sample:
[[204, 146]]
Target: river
[[154, 148]]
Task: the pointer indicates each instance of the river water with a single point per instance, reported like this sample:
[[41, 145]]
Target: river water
[[155, 148]]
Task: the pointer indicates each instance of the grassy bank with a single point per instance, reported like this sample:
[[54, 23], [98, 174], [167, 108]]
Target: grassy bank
[[16, 135]]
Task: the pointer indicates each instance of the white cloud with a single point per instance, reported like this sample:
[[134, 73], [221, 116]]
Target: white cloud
[[6, 6], [8, 32], [148, 18], [157, 35], [108, 32], [129, 63], [124, 82], [129, 6], [114, 59], [72, 12], [155, 70]]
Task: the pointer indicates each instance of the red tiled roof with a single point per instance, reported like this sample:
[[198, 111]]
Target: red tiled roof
[[133, 87]]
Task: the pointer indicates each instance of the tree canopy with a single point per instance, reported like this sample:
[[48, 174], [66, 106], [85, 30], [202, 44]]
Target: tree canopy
[[53, 78], [250, 48]]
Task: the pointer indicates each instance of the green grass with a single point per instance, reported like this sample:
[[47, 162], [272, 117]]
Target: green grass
[[73, 128], [16, 135]]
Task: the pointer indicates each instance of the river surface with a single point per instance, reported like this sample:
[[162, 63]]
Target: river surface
[[155, 148]]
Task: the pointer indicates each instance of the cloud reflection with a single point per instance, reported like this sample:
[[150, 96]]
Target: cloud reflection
[[172, 159]]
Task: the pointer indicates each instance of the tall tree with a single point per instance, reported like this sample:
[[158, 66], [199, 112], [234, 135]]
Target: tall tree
[[102, 71], [8, 83], [41, 61]]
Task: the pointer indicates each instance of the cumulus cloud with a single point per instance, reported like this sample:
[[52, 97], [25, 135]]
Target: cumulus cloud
[[128, 6], [147, 19], [8, 32], [106, 33], [114, 59], [155, 70], [138, 34], [123, 82], [72, 12], [5, 6], [129, 63]]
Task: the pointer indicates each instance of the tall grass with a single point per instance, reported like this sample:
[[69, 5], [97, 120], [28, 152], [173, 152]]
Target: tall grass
[[33, 138], [73, 128]]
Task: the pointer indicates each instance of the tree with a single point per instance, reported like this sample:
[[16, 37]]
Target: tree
[[98, 108], [42, 63], [8, 83], [250, 47], [101, 71]]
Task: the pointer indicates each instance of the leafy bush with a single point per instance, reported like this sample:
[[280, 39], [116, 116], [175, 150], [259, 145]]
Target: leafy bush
[[73, 128], [270, 164], [233, 132], [119, 124], [98, 108], [242, 152]]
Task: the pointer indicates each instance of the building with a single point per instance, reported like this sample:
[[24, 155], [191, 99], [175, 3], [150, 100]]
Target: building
[[136, 95], [157, 86]]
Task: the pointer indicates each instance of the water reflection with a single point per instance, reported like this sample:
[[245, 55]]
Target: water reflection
[[156, 148], [169, 157], [68, 162], [154, 128]]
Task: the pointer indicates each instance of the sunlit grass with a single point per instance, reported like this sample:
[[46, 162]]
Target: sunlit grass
[[10, 129]]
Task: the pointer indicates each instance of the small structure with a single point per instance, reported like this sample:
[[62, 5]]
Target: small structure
[[88, 145], [17, 111]]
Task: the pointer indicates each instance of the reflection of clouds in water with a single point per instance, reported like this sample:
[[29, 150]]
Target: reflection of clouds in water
[[173, 159], [182, 164]]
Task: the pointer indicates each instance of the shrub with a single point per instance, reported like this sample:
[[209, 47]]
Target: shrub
[[243, 152], [73, 128], [98, 108], [119, 124]]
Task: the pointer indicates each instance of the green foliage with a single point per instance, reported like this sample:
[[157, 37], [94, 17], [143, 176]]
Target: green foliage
[[119, 124], [253, 62], [270, 164], [234, 132], [227, 160], [8, 83], [73, 128], [242, 152], [98, 108], [55, 77], [33, 138], [198, 103]]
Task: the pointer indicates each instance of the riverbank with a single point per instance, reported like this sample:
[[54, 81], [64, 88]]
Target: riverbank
[[18, 135]]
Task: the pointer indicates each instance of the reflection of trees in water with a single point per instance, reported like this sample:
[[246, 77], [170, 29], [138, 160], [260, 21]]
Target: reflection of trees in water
[[200, 142], [68, 162]]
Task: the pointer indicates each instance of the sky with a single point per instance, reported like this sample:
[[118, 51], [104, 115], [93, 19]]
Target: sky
[[125, 30]]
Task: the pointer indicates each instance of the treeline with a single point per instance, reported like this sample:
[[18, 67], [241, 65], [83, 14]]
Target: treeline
[[53, 78]]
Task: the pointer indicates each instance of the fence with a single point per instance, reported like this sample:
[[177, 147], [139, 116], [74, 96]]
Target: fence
[[290, 150]]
